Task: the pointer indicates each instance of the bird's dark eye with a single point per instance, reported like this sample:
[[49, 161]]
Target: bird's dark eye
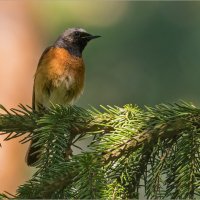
[[76, 33]]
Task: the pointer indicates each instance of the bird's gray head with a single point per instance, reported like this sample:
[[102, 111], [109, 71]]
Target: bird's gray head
[[74, 40]]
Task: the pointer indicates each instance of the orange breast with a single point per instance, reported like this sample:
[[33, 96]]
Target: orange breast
[[59, 63], [63, 72]]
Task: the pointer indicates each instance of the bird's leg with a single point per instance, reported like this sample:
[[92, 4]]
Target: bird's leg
[[68, 153]]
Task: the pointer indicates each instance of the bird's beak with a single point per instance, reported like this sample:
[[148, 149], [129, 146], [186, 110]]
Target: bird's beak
[[94, 37], [91, 37]]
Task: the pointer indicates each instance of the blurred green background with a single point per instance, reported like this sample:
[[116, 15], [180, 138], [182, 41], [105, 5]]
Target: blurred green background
[[149, 51]]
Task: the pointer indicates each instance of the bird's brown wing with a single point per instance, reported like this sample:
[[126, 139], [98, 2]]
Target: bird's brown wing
[[33, 152], [39, 63]]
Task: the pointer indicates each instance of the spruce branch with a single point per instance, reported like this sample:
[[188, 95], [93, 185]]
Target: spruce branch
[[156, 148]]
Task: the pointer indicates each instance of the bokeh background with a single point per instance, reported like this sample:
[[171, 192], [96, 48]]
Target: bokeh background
[[149, 53]]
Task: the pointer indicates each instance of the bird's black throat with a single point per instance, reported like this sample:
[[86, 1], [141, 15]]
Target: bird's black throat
[[74, 49]]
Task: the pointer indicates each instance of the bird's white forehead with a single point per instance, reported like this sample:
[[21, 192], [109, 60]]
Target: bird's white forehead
[[71, 30]]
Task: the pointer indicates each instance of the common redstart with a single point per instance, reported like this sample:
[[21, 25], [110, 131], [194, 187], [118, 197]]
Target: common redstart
[[59, 78]]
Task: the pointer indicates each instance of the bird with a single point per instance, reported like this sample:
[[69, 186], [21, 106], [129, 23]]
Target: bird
[[59, 78]]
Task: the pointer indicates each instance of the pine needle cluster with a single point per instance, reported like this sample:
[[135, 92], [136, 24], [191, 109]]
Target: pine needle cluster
[[152, 152]]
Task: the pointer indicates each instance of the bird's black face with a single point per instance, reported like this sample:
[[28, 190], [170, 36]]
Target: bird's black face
[[76, 38], [80, 37]]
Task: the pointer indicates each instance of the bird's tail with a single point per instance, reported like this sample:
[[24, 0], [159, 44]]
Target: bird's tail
[[33, 153]]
